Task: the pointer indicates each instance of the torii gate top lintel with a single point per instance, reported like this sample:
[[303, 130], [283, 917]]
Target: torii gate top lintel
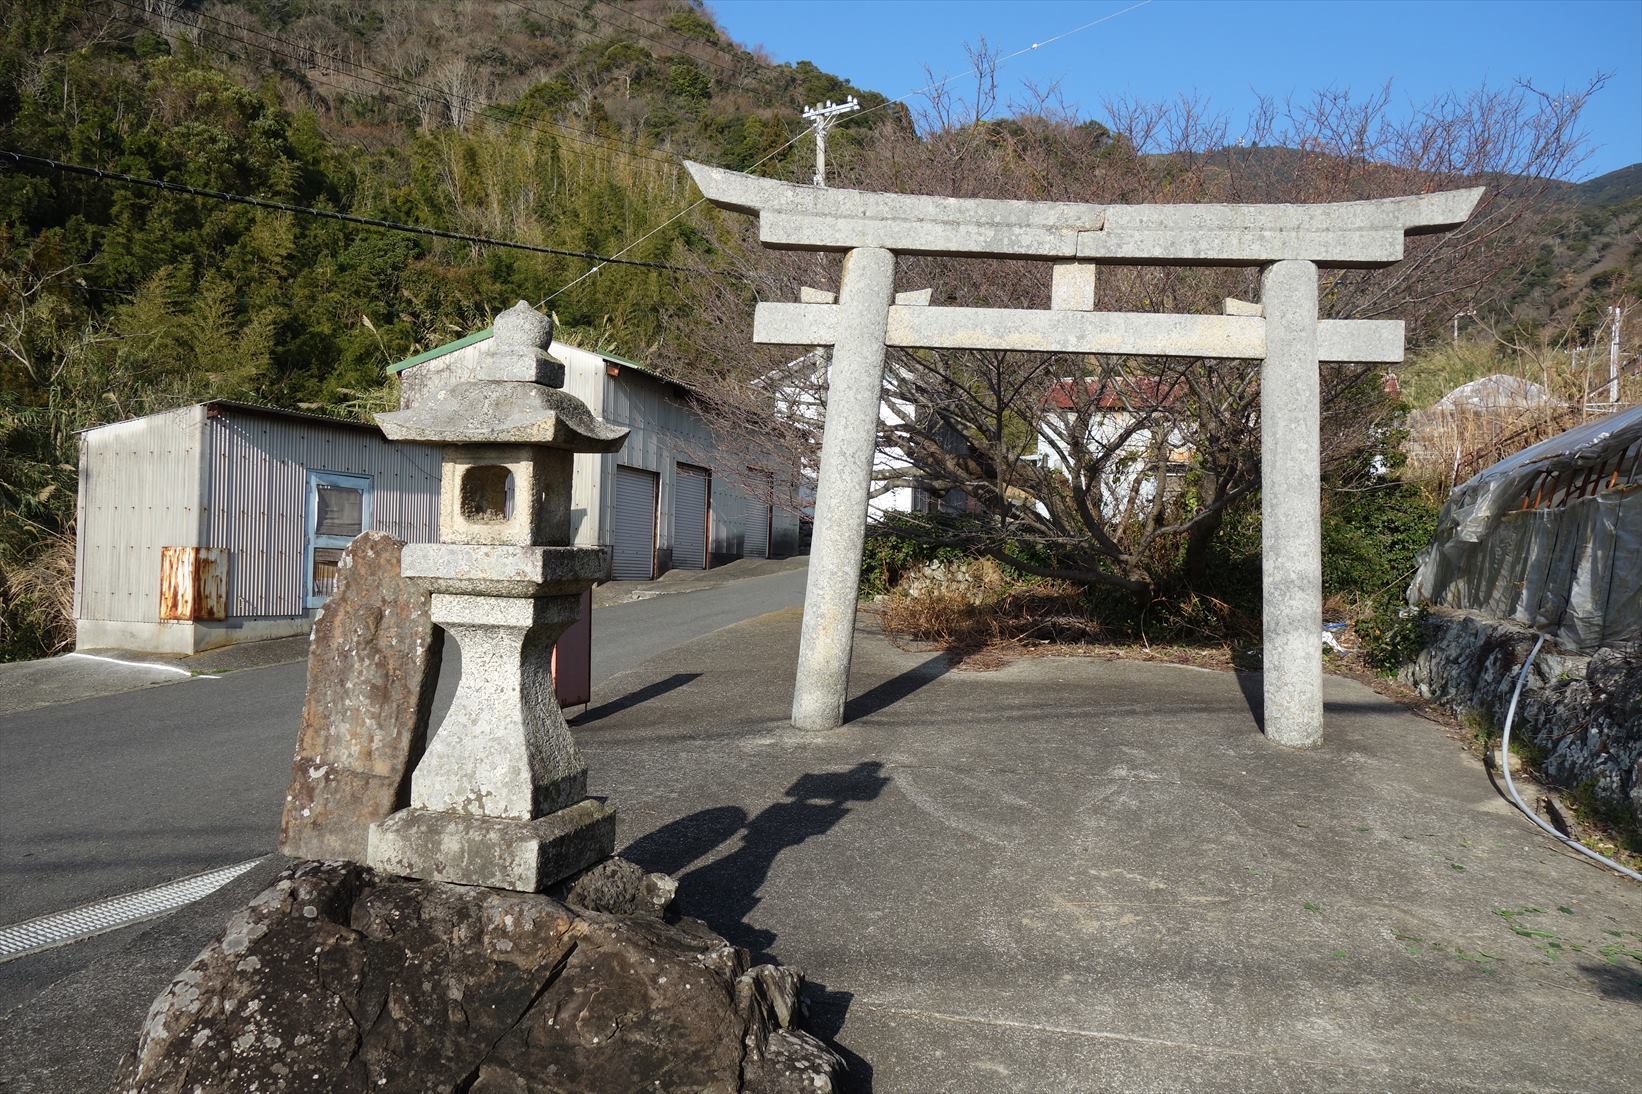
[[1336, 234], [1283, 332]]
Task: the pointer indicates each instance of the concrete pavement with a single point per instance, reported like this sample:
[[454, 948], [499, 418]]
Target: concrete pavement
[[116, 792], [1075, 875], [1081, 875]]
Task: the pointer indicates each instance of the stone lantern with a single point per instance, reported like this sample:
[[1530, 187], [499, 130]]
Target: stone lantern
[[500, 796]]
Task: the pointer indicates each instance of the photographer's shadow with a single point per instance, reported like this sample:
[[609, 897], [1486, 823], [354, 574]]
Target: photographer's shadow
[[725, 891]]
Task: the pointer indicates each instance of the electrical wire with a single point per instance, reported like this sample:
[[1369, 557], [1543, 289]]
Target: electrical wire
[[795, 138], [1505, 766], [24, 159]]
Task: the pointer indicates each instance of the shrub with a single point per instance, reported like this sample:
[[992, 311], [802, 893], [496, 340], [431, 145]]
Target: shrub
[[1371, 539], [899, 544], [1392, 635]]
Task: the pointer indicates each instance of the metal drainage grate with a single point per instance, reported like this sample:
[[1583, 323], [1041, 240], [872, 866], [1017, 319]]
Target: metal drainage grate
[[61, 928]]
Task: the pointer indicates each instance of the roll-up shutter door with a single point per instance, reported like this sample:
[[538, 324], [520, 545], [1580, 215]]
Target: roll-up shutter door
[[633, 544], [757, 528], [690, 518]]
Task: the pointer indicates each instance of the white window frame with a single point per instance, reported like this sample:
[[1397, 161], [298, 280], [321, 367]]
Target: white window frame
[[367, 487]]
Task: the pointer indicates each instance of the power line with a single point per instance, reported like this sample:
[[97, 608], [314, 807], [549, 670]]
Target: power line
[[1005, 59], [26, 160], [795, 138], [341, 66]]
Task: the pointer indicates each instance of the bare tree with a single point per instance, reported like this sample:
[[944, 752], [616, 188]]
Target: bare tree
[[1119, 471], [464, 87]]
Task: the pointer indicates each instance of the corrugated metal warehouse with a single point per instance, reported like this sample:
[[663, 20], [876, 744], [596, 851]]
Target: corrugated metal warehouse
[[222, 522], [674, 497]]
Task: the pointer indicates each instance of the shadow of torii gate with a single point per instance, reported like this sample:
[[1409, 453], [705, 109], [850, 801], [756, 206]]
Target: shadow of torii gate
[[1289, 242]]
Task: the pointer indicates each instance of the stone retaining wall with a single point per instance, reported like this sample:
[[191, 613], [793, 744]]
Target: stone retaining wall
[[1583, 713]]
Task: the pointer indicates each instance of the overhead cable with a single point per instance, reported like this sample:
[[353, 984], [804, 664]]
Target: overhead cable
[[795, 138], [25, 160]]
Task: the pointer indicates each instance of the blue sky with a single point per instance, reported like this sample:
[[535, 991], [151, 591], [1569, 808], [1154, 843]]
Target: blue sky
[[1225, 50]]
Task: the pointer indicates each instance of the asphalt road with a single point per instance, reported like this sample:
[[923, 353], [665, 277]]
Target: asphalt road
[[112, 794]]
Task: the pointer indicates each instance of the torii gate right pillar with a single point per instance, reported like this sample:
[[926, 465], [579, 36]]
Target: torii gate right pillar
[[1291, 522]]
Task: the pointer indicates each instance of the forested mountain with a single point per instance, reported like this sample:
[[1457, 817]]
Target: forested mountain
[[557, 126], [538, 122]]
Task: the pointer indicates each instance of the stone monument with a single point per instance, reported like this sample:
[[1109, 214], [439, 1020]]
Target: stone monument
[[500, 796], [373, 663]]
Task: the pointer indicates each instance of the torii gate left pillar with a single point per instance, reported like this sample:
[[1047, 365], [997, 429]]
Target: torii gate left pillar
[[1287, 242], [848, 439]]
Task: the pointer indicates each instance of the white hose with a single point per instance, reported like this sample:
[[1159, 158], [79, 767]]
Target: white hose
[[1505, 766]]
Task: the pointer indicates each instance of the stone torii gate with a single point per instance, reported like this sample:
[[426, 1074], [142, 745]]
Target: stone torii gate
[[1289, 242]]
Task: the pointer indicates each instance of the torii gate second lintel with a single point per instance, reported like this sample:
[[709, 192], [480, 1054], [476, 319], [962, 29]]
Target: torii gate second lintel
[[1290, 243]]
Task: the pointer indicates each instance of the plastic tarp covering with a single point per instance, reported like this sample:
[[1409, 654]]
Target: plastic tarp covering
[[1571, 570]]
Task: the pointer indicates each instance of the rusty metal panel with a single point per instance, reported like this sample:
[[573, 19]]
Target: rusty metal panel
[[573, 659], [193, 584], [210, 584], [177, 583]]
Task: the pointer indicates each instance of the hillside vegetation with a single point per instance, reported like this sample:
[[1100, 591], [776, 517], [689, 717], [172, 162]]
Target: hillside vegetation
[[559, 125], [560, 129]]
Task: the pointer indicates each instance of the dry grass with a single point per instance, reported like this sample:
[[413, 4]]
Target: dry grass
[[39, 595], [1000, 628], [1447, 447], [993, 621]]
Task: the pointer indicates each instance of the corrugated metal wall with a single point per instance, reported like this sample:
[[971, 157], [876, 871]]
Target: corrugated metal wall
[[139, 492], [633, 525], [691, 487], [256, 498], [665, 432], [584, 378]]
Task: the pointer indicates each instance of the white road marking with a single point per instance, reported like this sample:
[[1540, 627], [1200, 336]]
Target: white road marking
[[62, 928], [141, 665]]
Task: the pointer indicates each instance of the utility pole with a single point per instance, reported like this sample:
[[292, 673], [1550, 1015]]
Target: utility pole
[[1471, 312], [1613, 355], [821, 118]]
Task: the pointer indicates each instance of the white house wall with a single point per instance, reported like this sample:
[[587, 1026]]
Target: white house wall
[[1129, 481], [890, 460], [139, 492], [795, 400]]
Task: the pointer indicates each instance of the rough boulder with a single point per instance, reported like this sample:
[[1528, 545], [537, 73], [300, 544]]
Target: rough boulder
[[338, 979]]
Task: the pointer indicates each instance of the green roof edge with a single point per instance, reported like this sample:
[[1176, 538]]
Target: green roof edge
[[480, 335], [620, 360], [439, 351]]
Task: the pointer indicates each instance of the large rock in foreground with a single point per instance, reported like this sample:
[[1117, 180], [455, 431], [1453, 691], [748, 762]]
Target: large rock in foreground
[[337, 979]]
